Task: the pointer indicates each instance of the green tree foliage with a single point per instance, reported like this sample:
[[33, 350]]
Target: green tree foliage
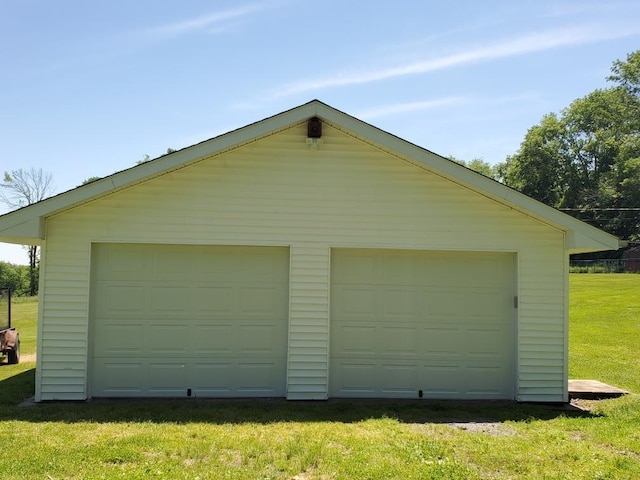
[[90, 180], [16, 277], [146, 158], [536, 170], [627, 74], [479, 165], [586, 160]]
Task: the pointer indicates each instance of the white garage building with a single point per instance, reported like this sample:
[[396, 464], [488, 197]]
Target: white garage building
[[308, 255]]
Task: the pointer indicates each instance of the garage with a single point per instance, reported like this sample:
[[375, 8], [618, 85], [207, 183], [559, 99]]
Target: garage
[[422, 324], [306, 255], [186, 320]]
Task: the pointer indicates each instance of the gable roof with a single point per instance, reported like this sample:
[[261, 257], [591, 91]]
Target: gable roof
[[26, 225]]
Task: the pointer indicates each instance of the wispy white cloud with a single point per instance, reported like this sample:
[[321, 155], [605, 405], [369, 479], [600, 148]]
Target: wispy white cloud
[[392, 109], [399, 108], [525, 44], [211, 22]]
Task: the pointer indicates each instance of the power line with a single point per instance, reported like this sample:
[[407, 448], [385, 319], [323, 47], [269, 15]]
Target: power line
[[586, 210]]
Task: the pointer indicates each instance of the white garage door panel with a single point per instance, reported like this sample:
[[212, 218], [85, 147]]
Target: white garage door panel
[[399, 378], [399, 341], [166, 378], [213, 300], [167, 319], [214, 379], [127, 335], [123, 378], [356, 378], [440, 322]]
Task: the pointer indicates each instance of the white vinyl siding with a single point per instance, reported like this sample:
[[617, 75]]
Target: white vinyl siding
[[309, 323], [277, 191]]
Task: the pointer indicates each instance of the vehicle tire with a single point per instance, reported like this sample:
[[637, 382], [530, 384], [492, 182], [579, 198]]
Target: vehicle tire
[[13, 356]]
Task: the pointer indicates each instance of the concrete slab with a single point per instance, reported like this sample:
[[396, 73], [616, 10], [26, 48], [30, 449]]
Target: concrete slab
[[593, 389]]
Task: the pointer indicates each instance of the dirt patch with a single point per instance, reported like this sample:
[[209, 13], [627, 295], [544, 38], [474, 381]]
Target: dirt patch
[[497, 429], [584, 404], [308, 475], [23, 359], [487, 427], [28, 358]]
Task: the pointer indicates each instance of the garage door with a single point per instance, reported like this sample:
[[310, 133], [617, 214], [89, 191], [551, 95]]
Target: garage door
[[205, 321], [406, 324]]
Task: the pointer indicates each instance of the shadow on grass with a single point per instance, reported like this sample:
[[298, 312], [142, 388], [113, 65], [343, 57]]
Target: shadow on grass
[[14, 389], [17, 387]]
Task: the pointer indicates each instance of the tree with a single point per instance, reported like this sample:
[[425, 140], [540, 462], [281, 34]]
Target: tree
[[538, 167], [25, 187], [627, 74], [146, 158], [479, 165], [16, 277], [90, 180], [586, 160]]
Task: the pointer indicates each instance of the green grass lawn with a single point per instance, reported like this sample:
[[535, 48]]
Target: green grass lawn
[[191, 439], [604, 335]]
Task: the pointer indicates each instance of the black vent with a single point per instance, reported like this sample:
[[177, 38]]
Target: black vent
[[314, 128]]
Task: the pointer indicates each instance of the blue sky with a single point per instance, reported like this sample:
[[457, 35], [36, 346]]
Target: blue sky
[[89, 88]]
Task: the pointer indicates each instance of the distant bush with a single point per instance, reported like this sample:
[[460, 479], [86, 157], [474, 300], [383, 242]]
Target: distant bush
[[598, 266]]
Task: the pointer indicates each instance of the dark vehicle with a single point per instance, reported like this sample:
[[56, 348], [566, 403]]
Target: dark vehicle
[[9, 337]]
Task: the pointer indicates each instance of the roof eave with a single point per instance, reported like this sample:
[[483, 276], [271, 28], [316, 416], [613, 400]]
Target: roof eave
[[23, 230], [587, 242], [28, 223]]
